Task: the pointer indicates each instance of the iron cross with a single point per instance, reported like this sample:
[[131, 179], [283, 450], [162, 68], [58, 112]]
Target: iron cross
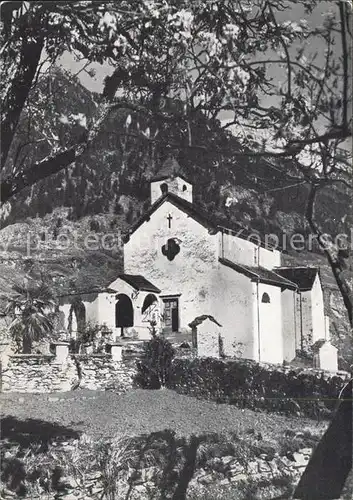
[[169, 221]]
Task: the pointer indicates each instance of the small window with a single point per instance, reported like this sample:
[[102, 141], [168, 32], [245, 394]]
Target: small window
[[184, 187], [164, 188], [265, 298]]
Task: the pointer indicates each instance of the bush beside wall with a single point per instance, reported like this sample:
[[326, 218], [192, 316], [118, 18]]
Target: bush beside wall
[[248, 384]]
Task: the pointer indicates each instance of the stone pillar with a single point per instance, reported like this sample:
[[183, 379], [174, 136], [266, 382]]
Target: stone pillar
[[61, 351], [5, 352], [325, 358], [116, 351]]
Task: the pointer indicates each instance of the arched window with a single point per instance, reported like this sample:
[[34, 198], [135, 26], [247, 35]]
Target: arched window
[[124, 311], [265, 298], [149, 300], [184, 187], [164, 188]]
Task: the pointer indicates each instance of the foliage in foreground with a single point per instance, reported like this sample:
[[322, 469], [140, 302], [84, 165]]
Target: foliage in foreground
[[114, 469], [31, 308]]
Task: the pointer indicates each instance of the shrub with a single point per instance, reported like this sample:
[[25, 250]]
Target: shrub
[[248, 384], [153, 370], [91, 335]]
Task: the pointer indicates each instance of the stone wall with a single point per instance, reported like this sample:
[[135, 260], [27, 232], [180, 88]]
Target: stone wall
[[62, 371], [37, 373], [100, 372]]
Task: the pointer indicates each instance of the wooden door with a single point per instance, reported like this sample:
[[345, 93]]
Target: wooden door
[[171, 315]]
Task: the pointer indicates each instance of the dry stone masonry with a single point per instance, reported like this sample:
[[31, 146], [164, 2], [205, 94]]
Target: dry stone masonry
[[62, 371]]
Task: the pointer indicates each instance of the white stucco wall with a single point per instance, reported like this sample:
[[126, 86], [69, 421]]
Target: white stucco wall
[[65, 308], [317, 310], [175, 186], [91, 310], [269, 258], [269, 327], [310, 315], [106, 308], [298, 320], [192, 273], [101, 310], [306, 319], [289, 324], [237, 250], [233, 306], [244, 252]]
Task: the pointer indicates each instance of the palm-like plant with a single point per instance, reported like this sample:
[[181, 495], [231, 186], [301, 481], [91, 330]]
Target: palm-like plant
[[31, 308]]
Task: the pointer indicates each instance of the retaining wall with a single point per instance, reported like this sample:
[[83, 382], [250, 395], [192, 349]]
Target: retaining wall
[[62, 371]]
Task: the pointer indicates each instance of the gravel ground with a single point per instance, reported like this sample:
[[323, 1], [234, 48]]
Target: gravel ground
[[139, 412]]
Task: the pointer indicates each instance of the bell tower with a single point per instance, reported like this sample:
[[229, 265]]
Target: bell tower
[[170, 179]]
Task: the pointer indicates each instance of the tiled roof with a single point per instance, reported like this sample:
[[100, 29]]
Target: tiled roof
[[303, 276], [211, 222], [139, 282], [259, 274]]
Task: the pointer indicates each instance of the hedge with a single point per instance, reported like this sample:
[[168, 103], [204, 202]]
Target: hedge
[[248, 384]]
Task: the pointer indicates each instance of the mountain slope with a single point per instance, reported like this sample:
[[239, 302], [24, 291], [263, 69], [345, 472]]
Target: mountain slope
[[104, 192]]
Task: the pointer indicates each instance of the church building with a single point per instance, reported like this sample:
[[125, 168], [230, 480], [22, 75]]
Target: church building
[[181, 262]]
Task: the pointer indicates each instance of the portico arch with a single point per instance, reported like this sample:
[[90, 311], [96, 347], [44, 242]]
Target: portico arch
[[124, 312], [149, 300]]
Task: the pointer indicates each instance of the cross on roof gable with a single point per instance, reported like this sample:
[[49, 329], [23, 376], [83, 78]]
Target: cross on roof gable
[[212, 223]]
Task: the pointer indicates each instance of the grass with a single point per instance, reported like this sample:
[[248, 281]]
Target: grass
[[106, 414], [172, 432]]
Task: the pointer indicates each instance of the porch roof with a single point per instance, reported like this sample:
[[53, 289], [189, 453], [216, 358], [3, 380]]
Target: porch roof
[[139, 282]]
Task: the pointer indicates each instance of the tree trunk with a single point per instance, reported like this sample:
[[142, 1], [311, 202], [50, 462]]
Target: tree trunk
[[19, 90], [27, 345], [331, 252], [331, 462]]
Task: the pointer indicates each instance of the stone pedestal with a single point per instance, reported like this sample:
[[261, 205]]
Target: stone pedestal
[[61, 351], [116, 351]]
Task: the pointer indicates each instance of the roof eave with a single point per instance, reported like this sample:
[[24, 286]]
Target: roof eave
[[280, 284], [152, 288]]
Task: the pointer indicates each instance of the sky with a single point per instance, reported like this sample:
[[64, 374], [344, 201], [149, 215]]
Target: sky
[[296, 13], [96, 84]]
